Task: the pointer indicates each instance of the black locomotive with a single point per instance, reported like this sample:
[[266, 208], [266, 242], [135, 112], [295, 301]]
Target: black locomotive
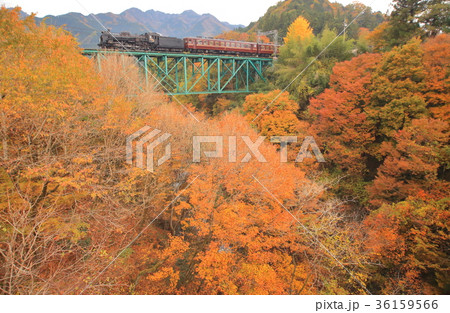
[[144, 42]]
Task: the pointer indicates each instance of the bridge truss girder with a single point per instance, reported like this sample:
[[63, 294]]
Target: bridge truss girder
[[187, 74]]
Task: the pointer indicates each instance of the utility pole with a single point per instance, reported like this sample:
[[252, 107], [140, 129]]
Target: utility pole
[[345, 27]]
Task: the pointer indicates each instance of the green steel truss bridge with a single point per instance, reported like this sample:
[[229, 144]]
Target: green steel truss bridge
[[188, 74]]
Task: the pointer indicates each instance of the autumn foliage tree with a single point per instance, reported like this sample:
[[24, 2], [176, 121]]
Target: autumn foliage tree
[[383, 123], [240, 240], [376, 97], [299, 30], [437, 80], [407, 243], [273, 113], [47, 91], [413, 163], [338, 115], [397, 90], [62, 170]]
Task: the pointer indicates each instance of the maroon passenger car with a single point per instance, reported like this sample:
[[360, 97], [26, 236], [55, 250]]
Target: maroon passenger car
[[206, 45]]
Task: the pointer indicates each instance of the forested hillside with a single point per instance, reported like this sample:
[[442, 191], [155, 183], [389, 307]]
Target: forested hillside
[[320, 14]]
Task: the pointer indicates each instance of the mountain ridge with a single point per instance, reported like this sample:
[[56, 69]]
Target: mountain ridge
[[185, 24]]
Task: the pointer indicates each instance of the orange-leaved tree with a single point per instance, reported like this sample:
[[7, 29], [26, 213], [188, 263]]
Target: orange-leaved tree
[[414, 162], [338, 115], [437, 68], [407, 247], [273, 113]]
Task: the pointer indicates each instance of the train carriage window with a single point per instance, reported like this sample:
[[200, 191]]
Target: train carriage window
[[233, 45], [199, 42], [228, 44]]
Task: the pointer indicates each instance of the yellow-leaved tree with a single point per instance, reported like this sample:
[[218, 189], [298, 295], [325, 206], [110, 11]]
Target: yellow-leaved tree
[[299, 30]]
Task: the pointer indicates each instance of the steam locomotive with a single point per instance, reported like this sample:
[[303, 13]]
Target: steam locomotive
[[156, 42]]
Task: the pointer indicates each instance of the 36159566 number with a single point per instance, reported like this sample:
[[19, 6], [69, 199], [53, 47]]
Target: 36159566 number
[[407, 304]]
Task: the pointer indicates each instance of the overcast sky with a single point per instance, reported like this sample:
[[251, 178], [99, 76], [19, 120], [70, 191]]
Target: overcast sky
[[232, 11]]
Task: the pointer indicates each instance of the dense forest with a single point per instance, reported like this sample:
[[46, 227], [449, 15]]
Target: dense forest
[[75, 218], [320, 14]]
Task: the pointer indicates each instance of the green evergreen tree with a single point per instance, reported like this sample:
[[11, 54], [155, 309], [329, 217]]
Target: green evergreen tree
[[436, 17], [405, 20], [417, 18]]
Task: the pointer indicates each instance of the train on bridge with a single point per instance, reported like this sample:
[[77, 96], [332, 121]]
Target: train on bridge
[[125, 41]]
